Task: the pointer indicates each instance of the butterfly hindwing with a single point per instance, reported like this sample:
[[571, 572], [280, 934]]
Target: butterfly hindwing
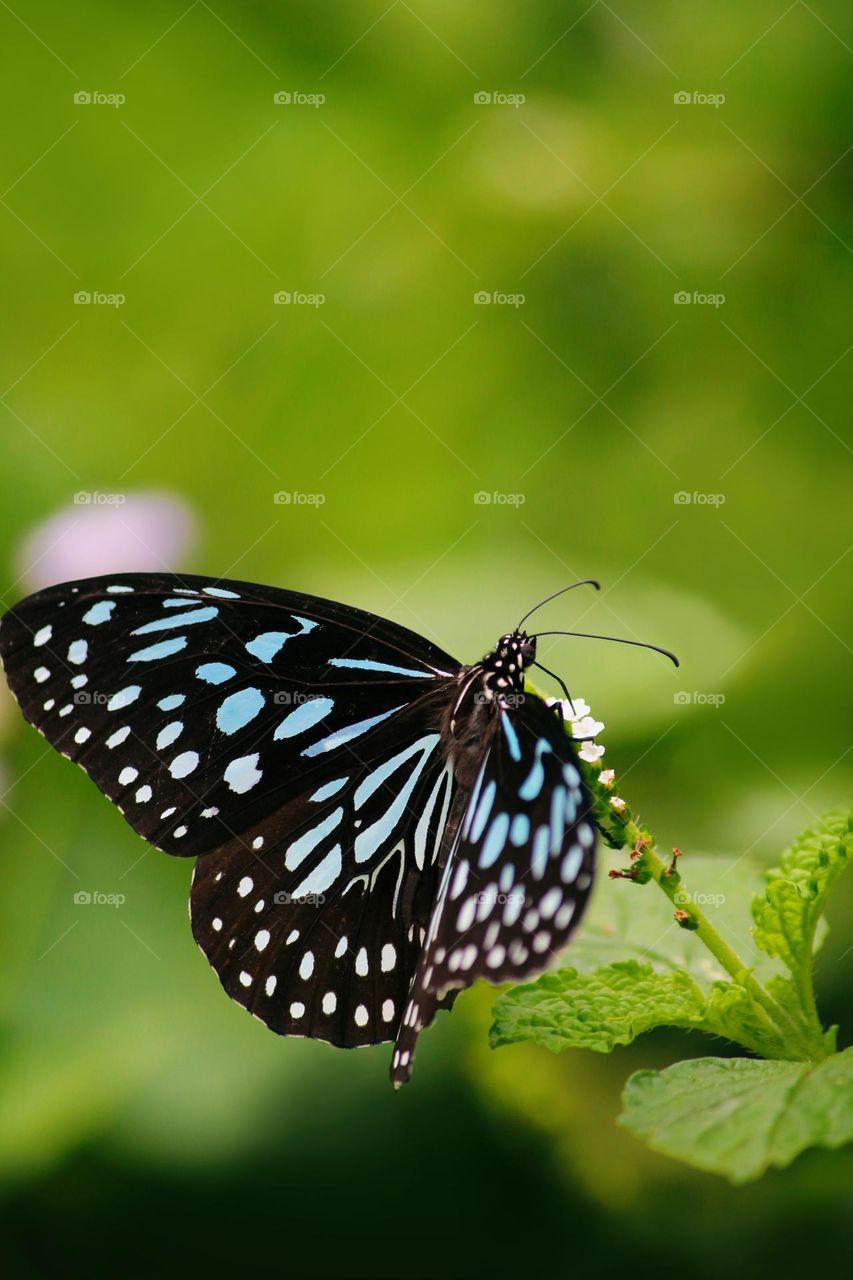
[[202, 707], [316, 926], [520, 873]]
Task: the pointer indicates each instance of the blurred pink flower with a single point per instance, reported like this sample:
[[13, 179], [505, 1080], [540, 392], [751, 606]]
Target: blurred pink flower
[[107, 533]]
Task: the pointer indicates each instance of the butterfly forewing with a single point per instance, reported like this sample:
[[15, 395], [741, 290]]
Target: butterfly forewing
[[520, 872], [199, 707]]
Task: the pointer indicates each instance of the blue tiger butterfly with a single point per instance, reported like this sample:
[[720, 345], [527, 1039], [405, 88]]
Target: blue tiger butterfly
[[375, 824]]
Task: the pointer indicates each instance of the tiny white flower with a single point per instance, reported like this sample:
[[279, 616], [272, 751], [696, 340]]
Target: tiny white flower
[[573, 710], [617, 802], [591, 751], [606, 778], [586, 727]]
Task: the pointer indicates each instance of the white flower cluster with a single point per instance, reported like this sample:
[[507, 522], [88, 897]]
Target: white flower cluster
[[577, 714]]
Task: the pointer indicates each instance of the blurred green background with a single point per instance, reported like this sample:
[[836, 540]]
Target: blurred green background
[[146, 1123]]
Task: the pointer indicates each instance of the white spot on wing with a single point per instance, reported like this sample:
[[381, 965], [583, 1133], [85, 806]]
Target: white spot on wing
[[243, 773]]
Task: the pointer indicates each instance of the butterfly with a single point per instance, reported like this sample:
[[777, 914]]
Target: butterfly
[[375, 824]]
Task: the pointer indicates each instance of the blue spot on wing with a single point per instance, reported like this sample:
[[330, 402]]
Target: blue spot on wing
[[177, 620], [164, 649], [484, 808], [304, 717], [323, 876], [367, 664], [215, 672], [346, 734], [495, 842], [520, 830], [511, 736], [300, 849], [172, 701], [169, 734], [541, 850], [99, 612], [124, 697], [266, 645], [532, 784], [239, 709], [329, 789]]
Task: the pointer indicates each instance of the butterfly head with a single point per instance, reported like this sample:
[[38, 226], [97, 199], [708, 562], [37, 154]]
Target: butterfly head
[[504, 665], [518, 647]]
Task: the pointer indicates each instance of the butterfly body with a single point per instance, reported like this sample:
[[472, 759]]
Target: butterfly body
[[375, 824]]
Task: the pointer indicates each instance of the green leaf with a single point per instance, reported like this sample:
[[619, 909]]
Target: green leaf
[[670, 979], [730, 1011], [634, 969], [738, 1116], [787, 914], [612, 1005]]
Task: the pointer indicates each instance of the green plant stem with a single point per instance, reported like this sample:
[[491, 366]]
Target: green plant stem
[[780, 1021], [795, 1040]]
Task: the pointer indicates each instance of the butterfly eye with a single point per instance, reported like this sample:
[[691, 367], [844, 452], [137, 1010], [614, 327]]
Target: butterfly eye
[[527, 650]]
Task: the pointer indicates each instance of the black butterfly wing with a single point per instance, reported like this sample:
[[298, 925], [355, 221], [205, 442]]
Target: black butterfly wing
[[290, 740], [519, 876], [318, 932], [202, 707]]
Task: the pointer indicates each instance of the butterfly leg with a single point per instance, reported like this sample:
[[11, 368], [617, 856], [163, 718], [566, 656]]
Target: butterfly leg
[[562, 685]]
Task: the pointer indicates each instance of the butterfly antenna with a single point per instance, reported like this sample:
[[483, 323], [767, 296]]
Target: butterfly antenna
[[588, 635], [584, 582]]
